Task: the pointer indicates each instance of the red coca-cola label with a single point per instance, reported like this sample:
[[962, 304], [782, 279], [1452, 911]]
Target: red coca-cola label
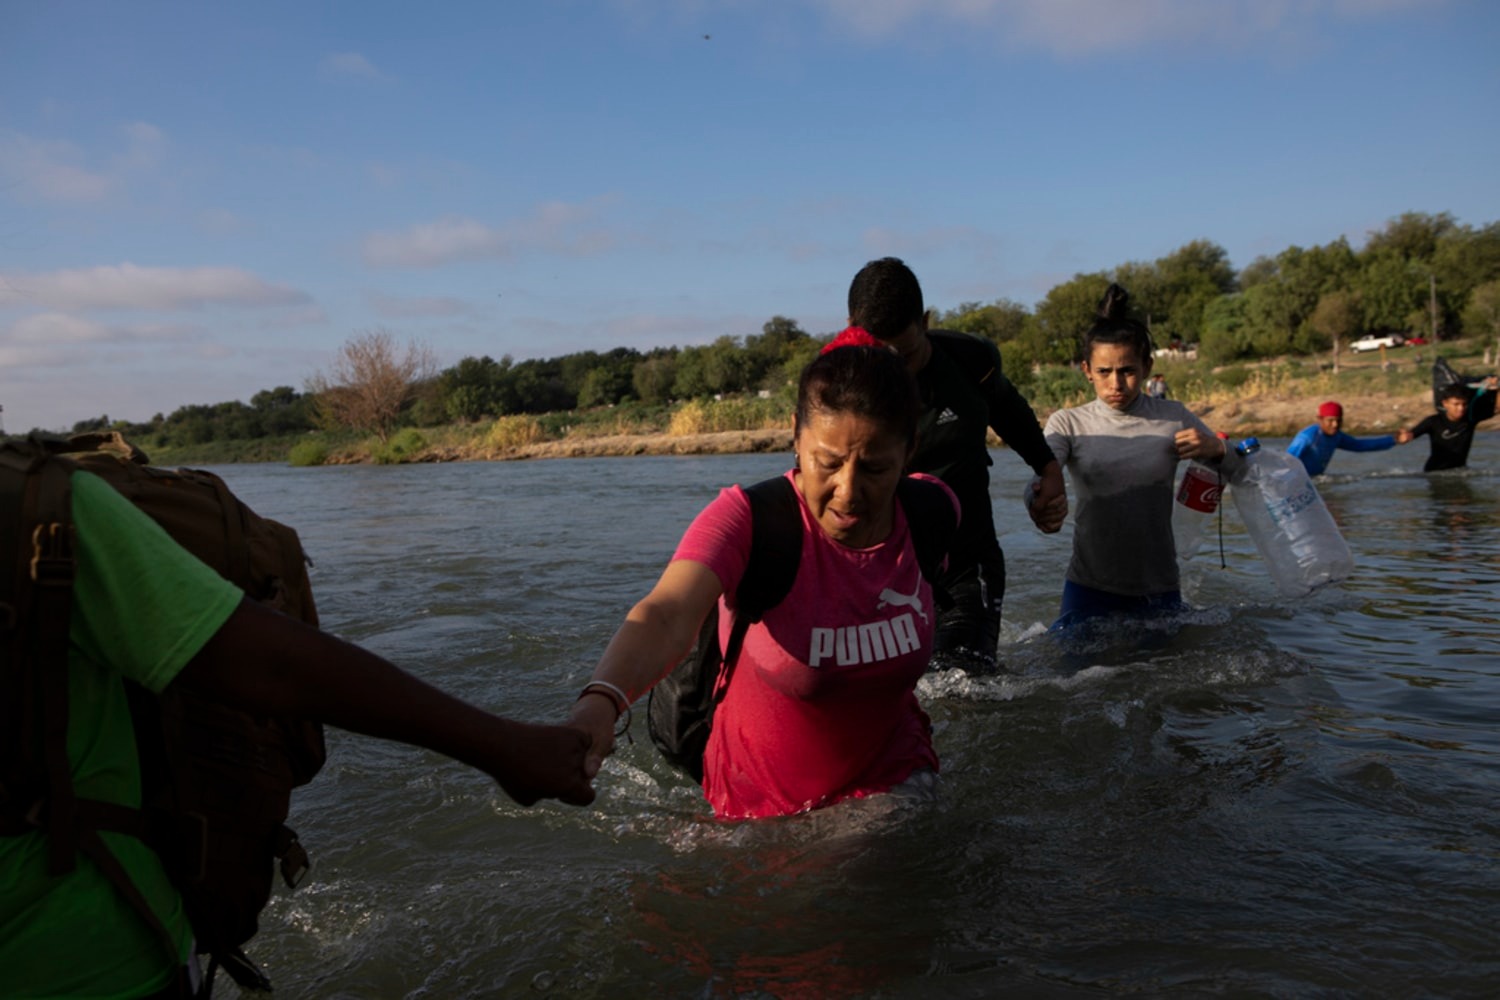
[[1200, 490]]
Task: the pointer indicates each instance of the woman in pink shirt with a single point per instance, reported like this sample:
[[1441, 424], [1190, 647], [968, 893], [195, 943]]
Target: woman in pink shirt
[[821, 706]]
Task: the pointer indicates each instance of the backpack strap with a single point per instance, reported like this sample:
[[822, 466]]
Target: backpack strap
[[933, 522], [776, 550], [775, 547], [775, 554], [40, 602]]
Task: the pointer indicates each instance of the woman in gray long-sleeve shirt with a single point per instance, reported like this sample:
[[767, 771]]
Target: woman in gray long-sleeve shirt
[[1121, 451]]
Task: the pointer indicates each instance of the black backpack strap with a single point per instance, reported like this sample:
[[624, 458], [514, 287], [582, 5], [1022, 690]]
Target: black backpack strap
[[38, 606], [775, 547], [933, 522], [775, 553]]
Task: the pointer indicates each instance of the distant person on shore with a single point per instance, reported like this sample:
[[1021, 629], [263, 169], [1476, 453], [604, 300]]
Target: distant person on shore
[[1315, 444], [1156, 387], [1121, 451], [1451, 432], [964, 395], [821, 705]]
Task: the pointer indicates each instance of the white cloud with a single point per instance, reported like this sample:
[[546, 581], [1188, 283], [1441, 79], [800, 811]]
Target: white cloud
[[144, 145], [127, 286], [1076, 27], [385, 175], [221, 222], [49, 170], [399, 307], [60, 330], [57, 170], [295, 318], [57, 328], [934, 239], [434, 243], [554, 227], [351, 64]]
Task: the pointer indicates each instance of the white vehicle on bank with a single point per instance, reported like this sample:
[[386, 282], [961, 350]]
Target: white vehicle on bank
[[1375, 342]]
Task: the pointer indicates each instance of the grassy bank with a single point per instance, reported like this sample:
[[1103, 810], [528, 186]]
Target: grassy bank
[[1268, 398]]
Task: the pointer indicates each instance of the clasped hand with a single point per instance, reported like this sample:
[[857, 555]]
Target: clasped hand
[[1193, 443]]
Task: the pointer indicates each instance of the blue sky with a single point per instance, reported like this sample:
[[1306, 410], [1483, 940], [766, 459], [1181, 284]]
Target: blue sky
[[202, 200]]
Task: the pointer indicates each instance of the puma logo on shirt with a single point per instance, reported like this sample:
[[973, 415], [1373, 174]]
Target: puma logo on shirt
[[867, 643], [891, 599]]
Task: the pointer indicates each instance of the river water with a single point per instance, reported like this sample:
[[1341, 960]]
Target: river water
[[1269, 798]]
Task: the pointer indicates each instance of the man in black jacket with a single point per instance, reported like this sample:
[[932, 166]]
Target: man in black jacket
[[964, 394]]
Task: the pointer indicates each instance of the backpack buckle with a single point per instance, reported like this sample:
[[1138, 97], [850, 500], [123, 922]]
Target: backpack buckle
[[51, 556]]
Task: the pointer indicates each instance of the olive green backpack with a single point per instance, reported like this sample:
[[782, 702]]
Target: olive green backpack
[[216, 781]]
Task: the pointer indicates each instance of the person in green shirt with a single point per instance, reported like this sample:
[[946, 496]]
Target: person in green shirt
[[147, 610]]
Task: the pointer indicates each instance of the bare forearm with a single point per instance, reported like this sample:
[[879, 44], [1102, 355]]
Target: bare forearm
[[644, 648], [262, 661]]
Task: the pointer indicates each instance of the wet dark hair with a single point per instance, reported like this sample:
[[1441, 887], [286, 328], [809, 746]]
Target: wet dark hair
[[1455, 391], [1114, 325], [885, 298], [870, 382]]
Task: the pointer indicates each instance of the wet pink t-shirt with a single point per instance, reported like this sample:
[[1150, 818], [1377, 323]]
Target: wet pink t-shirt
[[821, 706]]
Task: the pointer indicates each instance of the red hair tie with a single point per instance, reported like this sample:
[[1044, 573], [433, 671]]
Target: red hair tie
[[853, 336]]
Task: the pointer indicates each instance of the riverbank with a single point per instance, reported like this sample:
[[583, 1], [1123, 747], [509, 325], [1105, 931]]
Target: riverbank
[[1273, 399], [1262, 415]]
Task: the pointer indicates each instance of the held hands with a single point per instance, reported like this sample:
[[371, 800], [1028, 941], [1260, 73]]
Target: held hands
[[1403, 435], [1193, 443], [537, 762], [1048, 505], [595, 713]]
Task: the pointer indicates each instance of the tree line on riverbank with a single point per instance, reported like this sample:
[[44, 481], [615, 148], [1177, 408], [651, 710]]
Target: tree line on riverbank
[[1427, 274]]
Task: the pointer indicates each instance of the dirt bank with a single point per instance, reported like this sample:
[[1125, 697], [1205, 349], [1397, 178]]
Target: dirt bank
[[1266, 416]]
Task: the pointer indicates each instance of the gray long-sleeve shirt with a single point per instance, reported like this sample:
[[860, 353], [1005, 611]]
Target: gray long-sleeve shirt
[[1122, 466]]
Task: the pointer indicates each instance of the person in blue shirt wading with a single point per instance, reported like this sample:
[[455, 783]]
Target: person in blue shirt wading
[[1315, 444]]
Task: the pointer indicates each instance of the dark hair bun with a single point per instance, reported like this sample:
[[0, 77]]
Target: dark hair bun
[[1115, 303]]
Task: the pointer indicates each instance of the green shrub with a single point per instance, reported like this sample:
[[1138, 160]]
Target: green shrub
[[1231, 377], [513, 432], [402, 445], [305, 453], [1057, 386]]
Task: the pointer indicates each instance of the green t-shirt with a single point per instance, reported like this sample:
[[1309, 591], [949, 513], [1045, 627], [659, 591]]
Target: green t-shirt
[[142, 608]]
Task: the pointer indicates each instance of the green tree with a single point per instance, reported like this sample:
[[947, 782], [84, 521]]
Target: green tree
[[1482, 315], [1259, 271], [691, 377], [1392, 289], [1412, 236], [653, 377], [1063, 317], [1279, 303], [470, 390], [1226, 329], [537, 386], [1189, 278], [767, 352], [1337, 318], [726, 366], [1000, 321]]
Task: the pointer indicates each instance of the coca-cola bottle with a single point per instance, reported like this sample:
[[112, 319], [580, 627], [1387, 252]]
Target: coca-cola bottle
[[1198, 495]]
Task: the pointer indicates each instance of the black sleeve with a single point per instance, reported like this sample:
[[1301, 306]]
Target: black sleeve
[[1015, 421], [1011, 416]]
